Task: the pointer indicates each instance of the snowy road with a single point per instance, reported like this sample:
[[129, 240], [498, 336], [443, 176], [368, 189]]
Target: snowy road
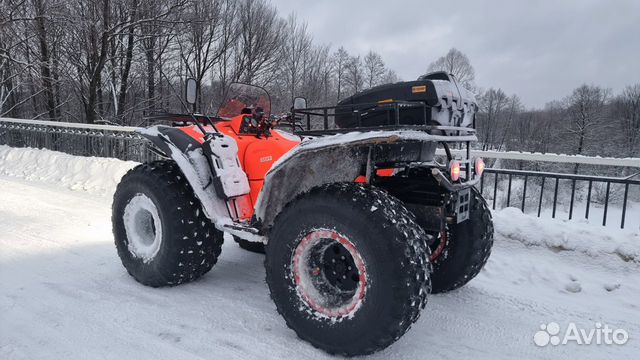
[[64, 294]]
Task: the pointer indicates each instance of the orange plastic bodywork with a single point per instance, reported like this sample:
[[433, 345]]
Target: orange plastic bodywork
[[256, 156], [379, 172]]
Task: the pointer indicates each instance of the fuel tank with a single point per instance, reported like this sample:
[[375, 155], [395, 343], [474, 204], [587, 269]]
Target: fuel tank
[[257, 154]]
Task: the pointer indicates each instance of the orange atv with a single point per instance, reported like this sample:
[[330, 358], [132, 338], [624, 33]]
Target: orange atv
[[359, 218]]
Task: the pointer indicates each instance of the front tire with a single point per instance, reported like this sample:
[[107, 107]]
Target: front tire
[[347, 268], [161, 233]]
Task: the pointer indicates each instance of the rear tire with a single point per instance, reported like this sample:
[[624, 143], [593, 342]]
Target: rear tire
[[251, 246], [161, 233], [467, 249], [348, 268]]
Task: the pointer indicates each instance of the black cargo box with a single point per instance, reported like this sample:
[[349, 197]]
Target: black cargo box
[[445, 103]]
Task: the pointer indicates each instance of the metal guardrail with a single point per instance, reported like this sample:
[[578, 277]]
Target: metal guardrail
[[124, 143], [76, 138], [61, 124], [628, 182], [555, 158]]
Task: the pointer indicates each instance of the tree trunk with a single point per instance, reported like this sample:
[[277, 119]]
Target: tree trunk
[[579, 151], [45, 65], [151, 81], [124, 84], [95, 82]]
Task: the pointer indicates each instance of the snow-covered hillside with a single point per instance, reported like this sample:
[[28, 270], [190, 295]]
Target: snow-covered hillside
[[64, 293]]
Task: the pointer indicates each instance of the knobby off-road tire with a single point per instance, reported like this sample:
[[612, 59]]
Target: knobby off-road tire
[[161, 233], [467, 249], [254, 247], [348, 268]]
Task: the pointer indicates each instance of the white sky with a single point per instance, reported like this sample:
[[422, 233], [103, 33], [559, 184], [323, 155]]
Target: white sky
[[540, 50]]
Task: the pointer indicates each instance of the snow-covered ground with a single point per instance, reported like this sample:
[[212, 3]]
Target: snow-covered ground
[[64, 293]]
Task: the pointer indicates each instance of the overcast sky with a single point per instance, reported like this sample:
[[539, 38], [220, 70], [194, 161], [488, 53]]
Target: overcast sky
[[540, 50]]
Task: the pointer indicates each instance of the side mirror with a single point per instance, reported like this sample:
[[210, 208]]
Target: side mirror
[[191, 91], [299, 103]]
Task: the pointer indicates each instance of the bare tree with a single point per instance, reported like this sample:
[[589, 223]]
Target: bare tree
[[544, 133], [390, 77], [374, 69], [626, 108], [513, 109], [207, 36], [258, 51], [90, 41], [11, 67], [120, 61], [315, 74], [40, 17], [585, 112], [458, 64], [114, 60], [354, 75], [296, 48], [27, 33], [159, 22], [492, 105], [340, 62]]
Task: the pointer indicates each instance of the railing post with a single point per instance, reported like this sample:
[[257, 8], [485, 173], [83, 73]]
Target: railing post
[[524, 192], [624, 204], [509, 192], [495, 189], [606, 205], [555, 199], [586, 213], [573, 193], [541, 193]]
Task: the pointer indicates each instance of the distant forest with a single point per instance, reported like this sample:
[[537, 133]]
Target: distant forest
[[117, 61]]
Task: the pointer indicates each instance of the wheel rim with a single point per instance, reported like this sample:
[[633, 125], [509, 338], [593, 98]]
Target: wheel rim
[[143, 227], [329, 273], [438, 245]]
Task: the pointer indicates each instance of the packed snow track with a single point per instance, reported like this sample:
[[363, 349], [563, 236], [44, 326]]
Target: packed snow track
[[65, 294]]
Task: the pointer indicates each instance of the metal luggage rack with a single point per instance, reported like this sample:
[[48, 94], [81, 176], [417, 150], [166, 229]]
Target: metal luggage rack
[[319, 121]]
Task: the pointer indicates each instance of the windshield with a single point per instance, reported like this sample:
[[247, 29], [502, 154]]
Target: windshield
[[243, 98]]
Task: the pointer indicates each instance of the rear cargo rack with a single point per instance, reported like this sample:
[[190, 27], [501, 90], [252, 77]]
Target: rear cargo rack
[[397, 116], [364, 117]]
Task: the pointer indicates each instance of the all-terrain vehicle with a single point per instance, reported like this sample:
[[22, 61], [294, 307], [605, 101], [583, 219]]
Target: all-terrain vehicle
[[359, 218]]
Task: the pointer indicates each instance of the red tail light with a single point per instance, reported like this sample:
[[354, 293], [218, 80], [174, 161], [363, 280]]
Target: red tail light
[[479, 166], [454, 170]]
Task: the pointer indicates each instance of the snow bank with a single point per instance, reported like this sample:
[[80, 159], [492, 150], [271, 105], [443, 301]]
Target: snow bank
[[564, 235], [92, 174]]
